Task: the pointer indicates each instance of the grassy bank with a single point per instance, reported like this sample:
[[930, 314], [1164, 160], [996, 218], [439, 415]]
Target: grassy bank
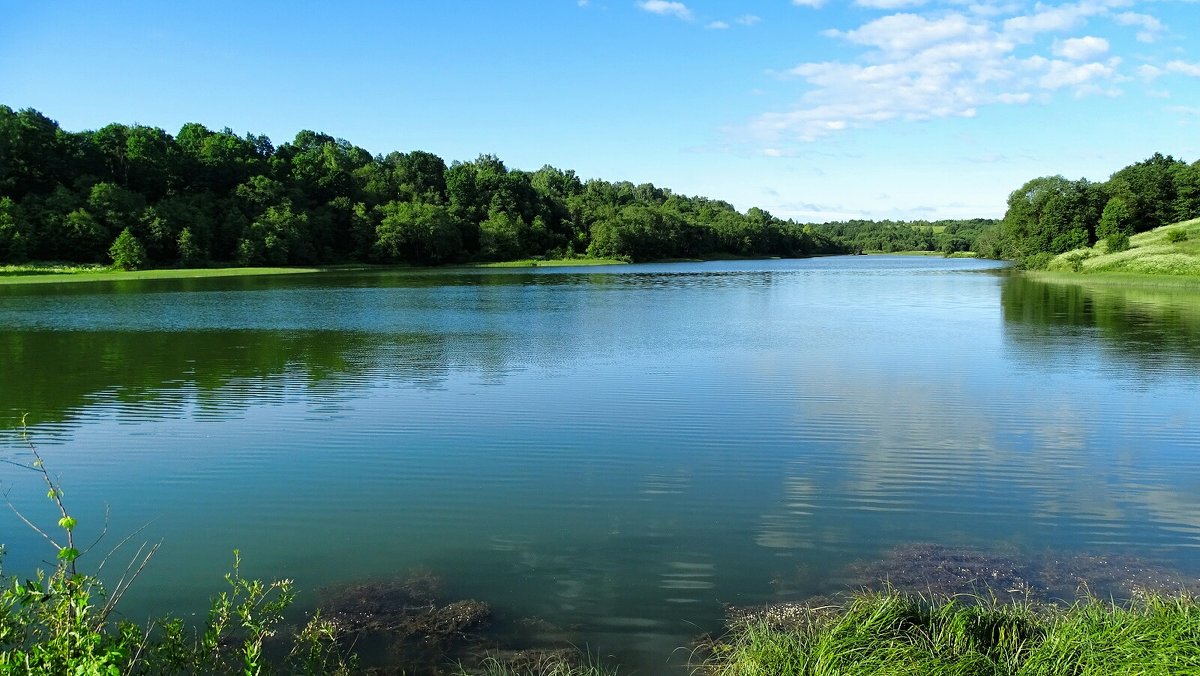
[[893, 633], [939, 254], [44, 273], [1112, 280], [54, 274], [550, 263], [1172, 250]]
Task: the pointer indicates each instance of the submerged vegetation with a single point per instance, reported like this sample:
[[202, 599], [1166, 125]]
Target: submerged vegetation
[[64, 622]]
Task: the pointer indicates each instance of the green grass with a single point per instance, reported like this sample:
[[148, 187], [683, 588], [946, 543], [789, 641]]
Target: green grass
[[892, 633], [1118, 279], [550, 263], [914, 252], [42, 274], [1149, 253], [550, 665]]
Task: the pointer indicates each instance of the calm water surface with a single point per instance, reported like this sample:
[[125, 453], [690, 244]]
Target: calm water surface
[[618, 451]]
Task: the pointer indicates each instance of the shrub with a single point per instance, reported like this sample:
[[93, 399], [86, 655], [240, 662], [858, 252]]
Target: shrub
[[1076, 258], [1118, 241], [61, 622], [1038, 261], [127, 252], [1177, 235]]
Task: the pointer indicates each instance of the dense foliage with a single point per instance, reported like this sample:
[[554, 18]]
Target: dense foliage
[[206, 196], [1053, 215], [946, 236]]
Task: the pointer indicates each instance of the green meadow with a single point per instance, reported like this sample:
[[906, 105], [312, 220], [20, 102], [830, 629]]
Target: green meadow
[[1169, 250]]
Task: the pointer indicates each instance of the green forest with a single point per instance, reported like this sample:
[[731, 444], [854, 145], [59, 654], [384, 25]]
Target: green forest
[[140, 197], [143, 197], [1053, 215], [946, 236]]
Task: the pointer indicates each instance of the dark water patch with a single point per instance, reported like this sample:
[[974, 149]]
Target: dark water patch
[[403, 622], [1114, 576], [406, 625], [945, 571], [1008, 575]]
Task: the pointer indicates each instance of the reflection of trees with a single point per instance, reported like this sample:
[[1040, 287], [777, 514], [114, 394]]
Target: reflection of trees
[[52, 374], [1153, 328], [222, 344]]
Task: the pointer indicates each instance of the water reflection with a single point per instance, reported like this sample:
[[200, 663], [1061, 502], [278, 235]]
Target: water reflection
[[54, 376], [1146, 331], [616, 452]]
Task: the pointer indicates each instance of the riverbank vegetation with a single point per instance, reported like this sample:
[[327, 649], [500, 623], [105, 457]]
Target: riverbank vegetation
[[1052, 216], [1167, 250], [54, 273], [140, 197], [946, 237], [67, 621], [889, 632]]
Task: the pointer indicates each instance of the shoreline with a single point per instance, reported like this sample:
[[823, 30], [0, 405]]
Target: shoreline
[[50, 273], [1116, 279], [51, 276]]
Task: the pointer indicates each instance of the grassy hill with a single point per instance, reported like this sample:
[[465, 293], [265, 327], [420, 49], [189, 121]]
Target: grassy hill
[[1149, 253]]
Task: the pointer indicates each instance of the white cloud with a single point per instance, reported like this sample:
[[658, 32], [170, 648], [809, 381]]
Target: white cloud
[[815, 4], [889, 4], [1151, 27], [1148, 73], [1057, 74], [1055, 19], [666, 8], [1184, 68], [1081, 49], [748, 19], [1014, 98], [925, 65], [910, 32], [717, 26]]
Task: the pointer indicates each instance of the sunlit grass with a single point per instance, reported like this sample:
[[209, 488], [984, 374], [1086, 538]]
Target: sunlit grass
[[50, 269], [53, 273], [1149, 253], [551, 263], [548, 665], [893, 633]]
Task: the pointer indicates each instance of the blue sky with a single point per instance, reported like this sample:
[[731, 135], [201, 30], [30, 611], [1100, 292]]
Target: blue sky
[[812, 109]]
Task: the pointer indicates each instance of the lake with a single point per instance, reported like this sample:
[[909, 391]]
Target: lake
[[618, 451]]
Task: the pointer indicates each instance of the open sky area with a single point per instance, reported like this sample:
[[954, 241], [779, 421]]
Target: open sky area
[[815, 110]]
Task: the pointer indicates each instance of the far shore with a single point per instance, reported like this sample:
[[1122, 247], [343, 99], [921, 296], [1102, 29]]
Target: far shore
[[54, 273], [28, 274]]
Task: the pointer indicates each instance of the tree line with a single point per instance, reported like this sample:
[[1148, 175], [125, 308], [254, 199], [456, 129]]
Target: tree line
[[205, 197], [1052, 215], [945, 236]]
